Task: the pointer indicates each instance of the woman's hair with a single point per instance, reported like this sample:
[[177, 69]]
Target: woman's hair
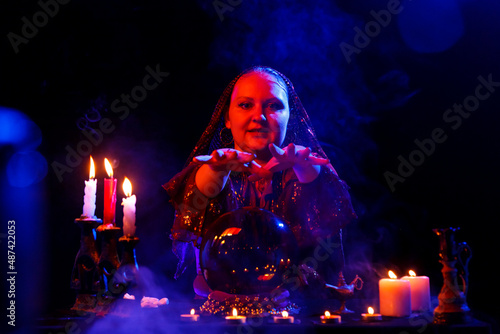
[[299, 128]]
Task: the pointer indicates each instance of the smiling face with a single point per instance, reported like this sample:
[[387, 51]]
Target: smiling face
[[258, 113]]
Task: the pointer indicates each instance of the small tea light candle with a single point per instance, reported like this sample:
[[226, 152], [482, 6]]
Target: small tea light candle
[[284, 319], [192, 317], [329, 318], [371, 315], [235, 319]]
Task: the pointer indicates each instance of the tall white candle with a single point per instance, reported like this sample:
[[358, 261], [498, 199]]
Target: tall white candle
[[420, 292], [128, 209], [90, 190], [395, 296]]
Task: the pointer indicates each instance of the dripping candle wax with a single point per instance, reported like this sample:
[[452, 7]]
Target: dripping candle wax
[[109, 196], [90, 190], [128, 209]]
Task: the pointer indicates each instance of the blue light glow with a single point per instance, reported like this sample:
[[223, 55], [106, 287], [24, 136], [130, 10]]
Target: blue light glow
[[26, 166], [431, 26]]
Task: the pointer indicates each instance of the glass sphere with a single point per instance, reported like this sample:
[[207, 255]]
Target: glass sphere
[[246, 251]]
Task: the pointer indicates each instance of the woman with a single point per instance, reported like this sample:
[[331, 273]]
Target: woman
[[264, 153]]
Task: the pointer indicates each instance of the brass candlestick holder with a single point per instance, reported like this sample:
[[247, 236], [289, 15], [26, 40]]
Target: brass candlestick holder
[[452, 306], [85, 275]]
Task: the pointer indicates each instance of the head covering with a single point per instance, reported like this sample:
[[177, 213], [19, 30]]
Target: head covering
[[299, 129]]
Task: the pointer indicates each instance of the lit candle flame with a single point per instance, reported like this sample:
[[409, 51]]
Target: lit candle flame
[[108, 167], [235, 312], [327, 314], [284, 314], [370, 310], [392, 274], [92, 169], [192, 311], [127, 187], [412, 273]]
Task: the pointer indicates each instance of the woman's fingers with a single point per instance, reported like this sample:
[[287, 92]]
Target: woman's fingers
[[304, 154], [258, 172], [232, 159], [276, 151]]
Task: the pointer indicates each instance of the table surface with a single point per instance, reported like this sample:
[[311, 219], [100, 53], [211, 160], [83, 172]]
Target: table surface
[[166, 319]]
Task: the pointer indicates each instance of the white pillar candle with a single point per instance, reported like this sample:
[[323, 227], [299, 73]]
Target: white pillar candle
[[420, 292], [90, 190], [128, 209], [395, 296]]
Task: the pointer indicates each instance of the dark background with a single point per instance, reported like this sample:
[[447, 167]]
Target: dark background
[[367, 112]]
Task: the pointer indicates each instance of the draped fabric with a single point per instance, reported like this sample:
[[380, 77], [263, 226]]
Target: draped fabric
[[314, 210]]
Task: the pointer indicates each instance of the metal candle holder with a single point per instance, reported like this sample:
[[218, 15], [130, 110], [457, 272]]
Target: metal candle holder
[[127, 274], [108, 260], [452, 306], [85, 276]]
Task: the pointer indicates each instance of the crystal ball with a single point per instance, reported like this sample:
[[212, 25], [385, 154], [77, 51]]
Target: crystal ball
[[246, 251]]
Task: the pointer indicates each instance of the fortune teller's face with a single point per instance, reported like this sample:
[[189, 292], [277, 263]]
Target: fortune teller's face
[[258, 113]]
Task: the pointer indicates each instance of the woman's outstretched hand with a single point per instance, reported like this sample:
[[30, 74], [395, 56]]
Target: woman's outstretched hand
[[291, 156], [305, 164], [230, 159]]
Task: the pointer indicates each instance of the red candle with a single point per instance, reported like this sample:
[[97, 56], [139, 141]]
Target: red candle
[[109, 196]]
